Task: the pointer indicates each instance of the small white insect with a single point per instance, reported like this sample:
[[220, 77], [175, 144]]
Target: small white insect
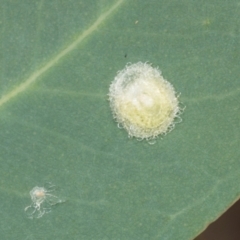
[[143, 102], [42, 200]]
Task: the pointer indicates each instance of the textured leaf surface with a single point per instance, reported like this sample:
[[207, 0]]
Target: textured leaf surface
[[57, 61]]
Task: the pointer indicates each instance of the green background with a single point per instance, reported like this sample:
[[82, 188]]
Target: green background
[[58, 127]]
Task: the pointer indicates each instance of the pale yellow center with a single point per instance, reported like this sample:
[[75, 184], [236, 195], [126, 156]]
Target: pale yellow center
[[147, 104]]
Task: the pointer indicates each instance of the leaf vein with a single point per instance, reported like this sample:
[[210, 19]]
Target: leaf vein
[[33, 77]]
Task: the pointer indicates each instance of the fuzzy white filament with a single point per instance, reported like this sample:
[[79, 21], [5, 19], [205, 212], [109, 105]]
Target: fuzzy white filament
[[42, 201], [143, 102]]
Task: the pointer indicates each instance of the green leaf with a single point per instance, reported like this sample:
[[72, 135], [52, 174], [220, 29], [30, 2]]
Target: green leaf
[[58, 59]]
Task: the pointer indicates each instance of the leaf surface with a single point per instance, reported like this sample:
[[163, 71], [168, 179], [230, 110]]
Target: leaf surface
[[58, 59]]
